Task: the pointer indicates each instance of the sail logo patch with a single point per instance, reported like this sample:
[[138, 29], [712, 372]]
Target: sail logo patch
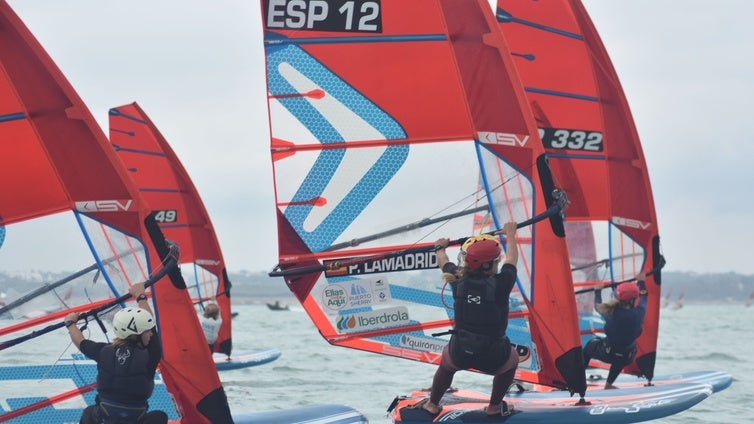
[[324, 15], [404, 262], [359, 294], [334, 297], [476, 300], [423, 344], [382, 318], [169, 215], [562, 138], [505, 139], [632, 223], [104, 205]]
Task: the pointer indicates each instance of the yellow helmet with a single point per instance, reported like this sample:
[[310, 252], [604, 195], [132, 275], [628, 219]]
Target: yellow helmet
[[479, 237], [480, 249]]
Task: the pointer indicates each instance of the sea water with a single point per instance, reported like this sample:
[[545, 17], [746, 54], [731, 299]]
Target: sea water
[[310, 371]]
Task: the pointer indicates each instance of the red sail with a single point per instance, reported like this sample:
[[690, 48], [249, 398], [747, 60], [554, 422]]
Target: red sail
[[381, 122], [179, 211], [586, 126], [56, 160]]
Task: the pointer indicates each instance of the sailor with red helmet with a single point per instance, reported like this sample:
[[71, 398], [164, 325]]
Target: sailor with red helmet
[[623, 321], [481, 296]]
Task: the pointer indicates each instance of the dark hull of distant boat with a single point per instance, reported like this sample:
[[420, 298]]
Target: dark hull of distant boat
[[274, 307]]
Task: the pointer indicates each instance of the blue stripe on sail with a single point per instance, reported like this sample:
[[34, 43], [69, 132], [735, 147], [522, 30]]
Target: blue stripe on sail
[[328, 161], [116, 112], [159, 190], [272, 39], [575, 156], [560, 94], [138, 151], [12, 117], [173, 225], [505, 17]]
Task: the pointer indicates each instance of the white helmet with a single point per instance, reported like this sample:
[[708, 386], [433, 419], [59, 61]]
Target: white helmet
[[132, 321]]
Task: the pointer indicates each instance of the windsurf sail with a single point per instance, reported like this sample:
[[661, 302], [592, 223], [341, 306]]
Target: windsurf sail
[[585, 124], [65, 195], [382, 115], [179, 211], [678, 304], [666, 299]]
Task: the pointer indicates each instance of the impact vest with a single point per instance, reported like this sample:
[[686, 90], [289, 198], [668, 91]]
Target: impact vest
[[623, 328], [123, 374], [478, 308]]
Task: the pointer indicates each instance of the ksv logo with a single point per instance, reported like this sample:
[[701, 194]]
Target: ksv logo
[[632, 223], [103, 205], [505, 139]]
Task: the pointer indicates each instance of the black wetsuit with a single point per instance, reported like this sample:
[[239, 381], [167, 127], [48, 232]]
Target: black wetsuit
[[622, 328], [125, 380]]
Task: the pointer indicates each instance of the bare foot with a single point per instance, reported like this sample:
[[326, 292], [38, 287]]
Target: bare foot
[[432, 408], [609, 386], [428, 406], [495, 410]]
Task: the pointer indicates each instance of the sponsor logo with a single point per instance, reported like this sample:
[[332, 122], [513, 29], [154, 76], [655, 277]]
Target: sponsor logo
[[207, 262], [424, 344], [405, 262], [104, 205], [453, 415], [632, 223], [324, 15], [359, 295], [334, 297], [356, 294], [524, 353], [505, 139], [374, 319]]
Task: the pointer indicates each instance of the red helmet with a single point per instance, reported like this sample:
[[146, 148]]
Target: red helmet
[[482, 251], [627, 291]]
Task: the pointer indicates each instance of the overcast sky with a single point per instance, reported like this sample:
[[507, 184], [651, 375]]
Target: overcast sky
[[197, 68]]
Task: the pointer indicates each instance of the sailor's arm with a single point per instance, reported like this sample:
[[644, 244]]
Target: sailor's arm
[[73, 330], [442, 256], [511, 247], [138, 292], [642, 289]]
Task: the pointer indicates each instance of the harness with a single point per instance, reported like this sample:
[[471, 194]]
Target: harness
[[112, 412], [123, 374], [479, 339], [476, 309]]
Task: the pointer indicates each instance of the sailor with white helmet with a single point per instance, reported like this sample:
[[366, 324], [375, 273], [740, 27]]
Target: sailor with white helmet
[[125, 367]]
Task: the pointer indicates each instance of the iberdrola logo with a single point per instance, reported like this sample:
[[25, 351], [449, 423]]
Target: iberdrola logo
[[381, 318], [346, 322]]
